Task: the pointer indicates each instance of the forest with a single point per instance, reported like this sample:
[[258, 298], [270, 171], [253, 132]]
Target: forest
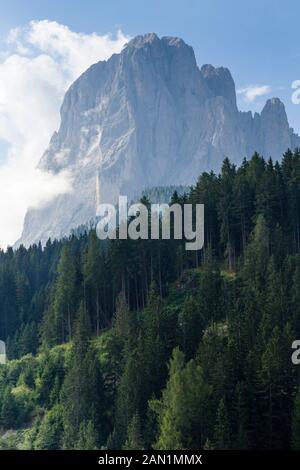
[[140, 344]]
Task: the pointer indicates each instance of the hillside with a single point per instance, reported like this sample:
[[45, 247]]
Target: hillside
[[141, 344]]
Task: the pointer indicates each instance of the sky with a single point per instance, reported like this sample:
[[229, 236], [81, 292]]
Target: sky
[[46, 44]]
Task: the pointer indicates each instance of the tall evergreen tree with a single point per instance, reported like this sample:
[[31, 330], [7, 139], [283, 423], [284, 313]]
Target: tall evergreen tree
[[82, 393]]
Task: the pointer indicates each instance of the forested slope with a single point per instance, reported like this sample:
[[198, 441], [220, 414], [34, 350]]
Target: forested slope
[[141, 344]]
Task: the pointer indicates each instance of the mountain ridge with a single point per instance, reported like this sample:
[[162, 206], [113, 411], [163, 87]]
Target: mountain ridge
[[148, 116]]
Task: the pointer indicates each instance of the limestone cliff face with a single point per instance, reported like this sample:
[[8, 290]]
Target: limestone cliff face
[[148, 117]]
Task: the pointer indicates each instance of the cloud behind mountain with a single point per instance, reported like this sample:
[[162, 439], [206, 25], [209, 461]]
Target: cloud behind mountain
[[38, 63]]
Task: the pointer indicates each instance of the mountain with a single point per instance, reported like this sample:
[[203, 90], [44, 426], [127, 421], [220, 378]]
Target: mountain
[[148, 117]]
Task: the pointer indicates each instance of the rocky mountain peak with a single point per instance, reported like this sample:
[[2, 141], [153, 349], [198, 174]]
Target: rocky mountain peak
[[148, 117], [274, 109], [275, 130], [142, 40], [220, 82]]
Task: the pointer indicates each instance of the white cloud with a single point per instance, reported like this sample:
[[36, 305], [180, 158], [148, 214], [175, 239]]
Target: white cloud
[[251, 92], [38, 64]]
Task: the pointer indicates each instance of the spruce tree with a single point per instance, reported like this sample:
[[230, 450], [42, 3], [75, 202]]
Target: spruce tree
[[222, 428], [134, 436]]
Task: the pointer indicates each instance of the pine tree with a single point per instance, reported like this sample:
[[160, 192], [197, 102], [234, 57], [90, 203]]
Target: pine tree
[[94, 282], [275, 386], [182, 410], [121, 319], [88, 437], [227, 211], [134, 436], [222, 428], [257, 255], [82, 393], [65, 295], [241, 408], [10, 412], [191, 326], [51, 429], [130, 391]]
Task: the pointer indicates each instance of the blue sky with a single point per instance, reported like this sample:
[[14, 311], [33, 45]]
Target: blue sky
[[46, 44], [257, 40]]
